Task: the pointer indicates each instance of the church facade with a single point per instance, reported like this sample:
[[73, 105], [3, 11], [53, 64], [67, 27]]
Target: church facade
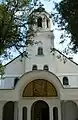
[[43, 86]]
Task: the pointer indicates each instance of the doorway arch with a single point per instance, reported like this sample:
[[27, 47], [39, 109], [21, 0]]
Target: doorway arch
[[40, 110]]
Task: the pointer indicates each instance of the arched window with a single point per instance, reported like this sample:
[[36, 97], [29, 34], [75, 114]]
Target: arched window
[[40, 88], [46, 67], [8, 111], [24, 113], [39, 22], [55, 113], [34, 67], [40, 51], [65, 81]]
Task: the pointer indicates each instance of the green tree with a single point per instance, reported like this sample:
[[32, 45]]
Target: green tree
[[15, 17], [14, 20], [12, 24], [66, 17]]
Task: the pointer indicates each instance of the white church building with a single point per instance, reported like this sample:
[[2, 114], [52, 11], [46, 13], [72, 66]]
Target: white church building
[[43, 86]]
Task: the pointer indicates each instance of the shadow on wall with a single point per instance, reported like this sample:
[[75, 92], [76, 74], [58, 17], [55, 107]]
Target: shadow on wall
[[15, 81]]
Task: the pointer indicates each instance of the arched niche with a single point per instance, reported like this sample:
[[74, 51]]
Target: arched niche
[[55, 113], [40, 88], [70, 110], [8, 111], [24, 113]]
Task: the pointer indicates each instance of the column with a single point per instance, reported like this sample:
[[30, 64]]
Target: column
[[15, 110]]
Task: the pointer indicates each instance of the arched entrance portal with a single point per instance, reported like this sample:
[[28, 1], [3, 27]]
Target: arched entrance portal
[[40, 111]]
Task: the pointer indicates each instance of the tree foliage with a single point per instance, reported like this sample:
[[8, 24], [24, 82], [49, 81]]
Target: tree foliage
[[67, 19], [14, 21], [16, 26]]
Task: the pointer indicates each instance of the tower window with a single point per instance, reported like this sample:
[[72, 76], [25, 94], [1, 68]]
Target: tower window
[[65, 81], [39, 22], [34, 67], [46, 67], [40, 51], [47, 23]]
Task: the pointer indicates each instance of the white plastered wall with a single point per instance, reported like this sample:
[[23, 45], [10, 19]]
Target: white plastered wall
[[15, 68], [1, 109]]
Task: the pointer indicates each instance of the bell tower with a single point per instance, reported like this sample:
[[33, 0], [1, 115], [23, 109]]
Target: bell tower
[[39, 53], [42, 20]]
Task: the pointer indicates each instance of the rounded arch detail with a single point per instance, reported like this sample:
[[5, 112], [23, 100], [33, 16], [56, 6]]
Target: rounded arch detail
[[40, 110], [41, 101], [70, 110], [39, 88], [39, 74], [8, 108]]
